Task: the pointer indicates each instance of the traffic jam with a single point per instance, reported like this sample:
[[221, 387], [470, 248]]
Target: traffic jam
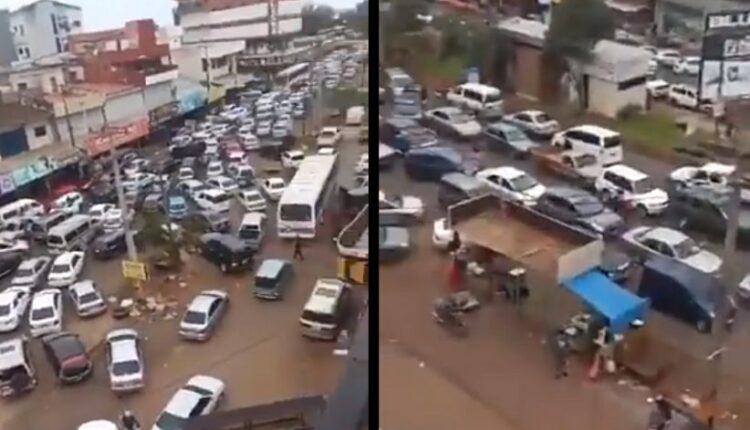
[[226, 188]]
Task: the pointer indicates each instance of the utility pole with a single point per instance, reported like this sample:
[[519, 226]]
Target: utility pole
[[129, 242]]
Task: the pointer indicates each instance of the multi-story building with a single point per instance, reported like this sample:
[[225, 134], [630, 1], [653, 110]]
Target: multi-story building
[[7, 50], [684, 19], [228, 29], [42, 28]]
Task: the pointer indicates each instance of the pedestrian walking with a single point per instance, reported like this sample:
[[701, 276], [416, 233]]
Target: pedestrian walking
[[560, 350], [298, 249], [731, 314], [129, 422], [455, 243]]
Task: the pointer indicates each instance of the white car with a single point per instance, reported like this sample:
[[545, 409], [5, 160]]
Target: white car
[[711, 173], [687, 65], [292, 159], [454, 120], [87, 299], [66, 269], [363, 165], [633, 188], [13, 304], [113, 219], [139, 181], [249, 141], [191, 187], [513, 184], [673, 244], [223, 183], [198, 397], [8, 246], [234, 113], [235, 156], [442, 235], [281, 129], [298, 111], [134, 166], [657, 88], [125, 363], [667, 57], [46, 312], [329, 136], [273, 187], [97, 211], [98, 425], [219, 130], [31, 272], [248, 125], [409, 206], [263, 129], [212, 199], [203, 314], [327, 150], [252, 200], [185, 173], [71, 202], [214, 168], [534, 122]]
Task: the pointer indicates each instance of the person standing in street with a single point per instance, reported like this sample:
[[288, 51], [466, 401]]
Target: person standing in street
[[560, 350], [129, 422], [298, 249]]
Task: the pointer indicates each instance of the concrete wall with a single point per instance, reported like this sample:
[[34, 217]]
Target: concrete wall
[[7, 49], [39, 78], [38, 34], [605, 98], [37, 142], [119, 109], [189, 61], [238, 32]]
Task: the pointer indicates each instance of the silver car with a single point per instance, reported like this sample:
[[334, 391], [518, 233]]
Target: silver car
[[31, 272], [203, 315], [125, 360], [87, 299], [673, 244]]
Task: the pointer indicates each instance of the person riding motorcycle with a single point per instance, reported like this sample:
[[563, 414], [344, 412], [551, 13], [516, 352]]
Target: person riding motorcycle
[[445, 310]]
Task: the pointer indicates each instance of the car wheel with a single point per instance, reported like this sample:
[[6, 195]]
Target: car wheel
[[702, 326], [642, 211], [606, 195]]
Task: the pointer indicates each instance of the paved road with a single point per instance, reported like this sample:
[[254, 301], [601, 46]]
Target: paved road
[[258, 351], [695, 347]]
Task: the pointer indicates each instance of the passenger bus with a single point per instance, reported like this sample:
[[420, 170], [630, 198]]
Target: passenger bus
[[301, 207], [293, 75], [74, 233]]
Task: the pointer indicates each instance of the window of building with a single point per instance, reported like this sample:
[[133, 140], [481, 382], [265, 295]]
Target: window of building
[[20, 30], [40, 131], [22, 86], [28, 52], [54, 28], [59, 45], [204, 64]]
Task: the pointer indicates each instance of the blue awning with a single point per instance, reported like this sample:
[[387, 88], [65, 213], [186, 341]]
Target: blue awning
[[618, 305]]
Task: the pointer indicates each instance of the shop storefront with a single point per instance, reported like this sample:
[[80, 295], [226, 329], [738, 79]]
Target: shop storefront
[[116, 136]]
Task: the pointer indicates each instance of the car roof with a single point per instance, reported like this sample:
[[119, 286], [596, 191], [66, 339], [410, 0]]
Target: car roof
[[202, 302], [83, 287], [451, 110], [626, 172], [45, 298], [226, 239], [6, 297], [252, 218], [462, 181], [273, 179], [11, 353], [270, 267], [568, 192], [324, 295], [665, 234], [439, 151], [124, 348], [213, 192], [30, 263], [506, 172], [64, 258], [595, 129], [64, 344]]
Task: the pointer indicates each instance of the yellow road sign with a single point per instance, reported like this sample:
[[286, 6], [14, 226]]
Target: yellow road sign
[[134, 270]]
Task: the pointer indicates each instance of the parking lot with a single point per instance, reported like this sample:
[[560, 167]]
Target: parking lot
[[500, 344], [257, 350]]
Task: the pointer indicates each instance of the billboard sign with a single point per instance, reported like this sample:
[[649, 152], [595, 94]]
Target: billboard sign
[[114, 137], [725, 56]]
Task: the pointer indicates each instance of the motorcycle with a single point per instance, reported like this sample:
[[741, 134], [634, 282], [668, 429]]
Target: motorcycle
[[449, 317]]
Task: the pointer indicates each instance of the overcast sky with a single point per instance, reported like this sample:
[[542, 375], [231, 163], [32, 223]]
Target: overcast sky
[[104, 14]]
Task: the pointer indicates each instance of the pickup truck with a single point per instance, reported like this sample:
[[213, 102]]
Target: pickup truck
[[578, 167]]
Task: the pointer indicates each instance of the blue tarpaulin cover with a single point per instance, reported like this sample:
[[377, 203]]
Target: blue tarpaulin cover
[[606, 297]]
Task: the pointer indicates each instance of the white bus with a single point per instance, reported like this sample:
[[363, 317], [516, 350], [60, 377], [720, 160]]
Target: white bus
[[74, 233], [326, 309], [301, 206], [293, 75]]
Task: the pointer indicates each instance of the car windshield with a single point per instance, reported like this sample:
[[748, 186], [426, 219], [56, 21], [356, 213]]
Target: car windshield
[[295, 212], [642, 186], [126, 367], [612, 142], [265, 282], [249, 233], [60, 268], [686, 248], [177, 204], [42, 313], [514, 134], [89, 297], [543, 117], [4, 310], [523, 182], [24, 273], [168, 421], [461, 118], [327, 134], [193, 317]]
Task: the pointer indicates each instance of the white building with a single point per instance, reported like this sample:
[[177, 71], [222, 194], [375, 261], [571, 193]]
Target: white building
[[42, 28], [171, 36], [46, 74]]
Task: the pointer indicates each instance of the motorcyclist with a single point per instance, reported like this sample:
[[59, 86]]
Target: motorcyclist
[[444, 309]]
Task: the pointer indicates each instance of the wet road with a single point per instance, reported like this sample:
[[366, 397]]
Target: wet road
[[258, 350], [407, 294]]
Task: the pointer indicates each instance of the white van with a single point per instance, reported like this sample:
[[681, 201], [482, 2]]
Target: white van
[[398, 80], [23, 209], [74, 233], [603, 143], [252, 229], [483, 100], [213, 199], [687, 97], [355, 115], [325, 310]]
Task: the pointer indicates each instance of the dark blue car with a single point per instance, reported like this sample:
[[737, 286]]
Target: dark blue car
[[430, 164], [404, 134]]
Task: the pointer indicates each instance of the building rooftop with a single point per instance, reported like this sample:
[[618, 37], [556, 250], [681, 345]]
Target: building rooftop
[[525, 30], [13, 115], [56, 3]]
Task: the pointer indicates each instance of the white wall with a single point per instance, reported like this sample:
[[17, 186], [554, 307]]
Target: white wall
[[189, 61], [38, 31], [241, 32], [256, 11], [605, 99], [159, 95], [38, 142], [41, 78], [119, 110]]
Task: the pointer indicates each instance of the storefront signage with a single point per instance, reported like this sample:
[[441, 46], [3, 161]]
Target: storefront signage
[[728, 19], [6, 184], [33, 171], [116, 136], [134, 270]]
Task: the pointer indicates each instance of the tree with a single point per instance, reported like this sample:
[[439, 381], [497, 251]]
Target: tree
[[576, 26], [316, 18], [402, 16], [357, 19]]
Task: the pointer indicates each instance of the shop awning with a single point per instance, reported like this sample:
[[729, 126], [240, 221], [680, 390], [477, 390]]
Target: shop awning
[[618, 305]]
